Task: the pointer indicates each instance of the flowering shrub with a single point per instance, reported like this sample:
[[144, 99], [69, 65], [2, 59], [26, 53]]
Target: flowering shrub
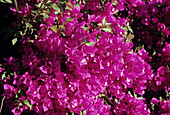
[[130, 105], [76, 58]]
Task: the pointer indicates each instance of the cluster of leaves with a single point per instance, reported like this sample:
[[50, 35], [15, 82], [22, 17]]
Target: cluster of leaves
[[78, 57]]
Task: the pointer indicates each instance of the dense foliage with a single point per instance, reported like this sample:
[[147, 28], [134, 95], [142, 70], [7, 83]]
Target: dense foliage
[[89, 57]]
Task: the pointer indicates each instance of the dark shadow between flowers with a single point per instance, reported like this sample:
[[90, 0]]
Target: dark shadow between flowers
[[6, 48]]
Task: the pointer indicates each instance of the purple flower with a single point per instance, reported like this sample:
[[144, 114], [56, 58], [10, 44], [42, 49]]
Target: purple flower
[[1, 69], [10, 90], [144, 55], [166, 53], [131, 105], [120, 6], [17, 110]]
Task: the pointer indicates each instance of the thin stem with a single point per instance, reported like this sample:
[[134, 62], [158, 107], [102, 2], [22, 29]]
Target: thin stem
[[2, 102], [16, 5]]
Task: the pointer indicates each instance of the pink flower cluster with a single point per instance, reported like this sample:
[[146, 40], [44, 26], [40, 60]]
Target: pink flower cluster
[[131, 106], [79, 54], [163, 105], [150, 24]]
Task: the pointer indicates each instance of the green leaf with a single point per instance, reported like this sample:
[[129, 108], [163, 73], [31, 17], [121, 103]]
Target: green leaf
[[56, 7], [68, 8], [31, 41], [63, 34], [116, 101], [130, 52], [100, 24], [12, 73], [130, 29], [16, 96], [20, 104], [86, 28], [69, 19], [36, 36], [19, 91], [44, 14], [125, 28], [89, 43], [28, 25], [136, 96], [56, 12], [26, 102], [160, 98], [14, 41], [168, 69], [115, 2], [6, 1], [61, 27], [116, 13], [4, 76], [107, 29], [38, 5], [154, 53], [82, 112], [70, 4], [54, 28], [140, 98], [104, 21], [101, 95]]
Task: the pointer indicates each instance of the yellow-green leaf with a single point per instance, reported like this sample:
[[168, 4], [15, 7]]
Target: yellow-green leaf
[[26, 102], [6, 1], [14, 41], [54, 28]]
